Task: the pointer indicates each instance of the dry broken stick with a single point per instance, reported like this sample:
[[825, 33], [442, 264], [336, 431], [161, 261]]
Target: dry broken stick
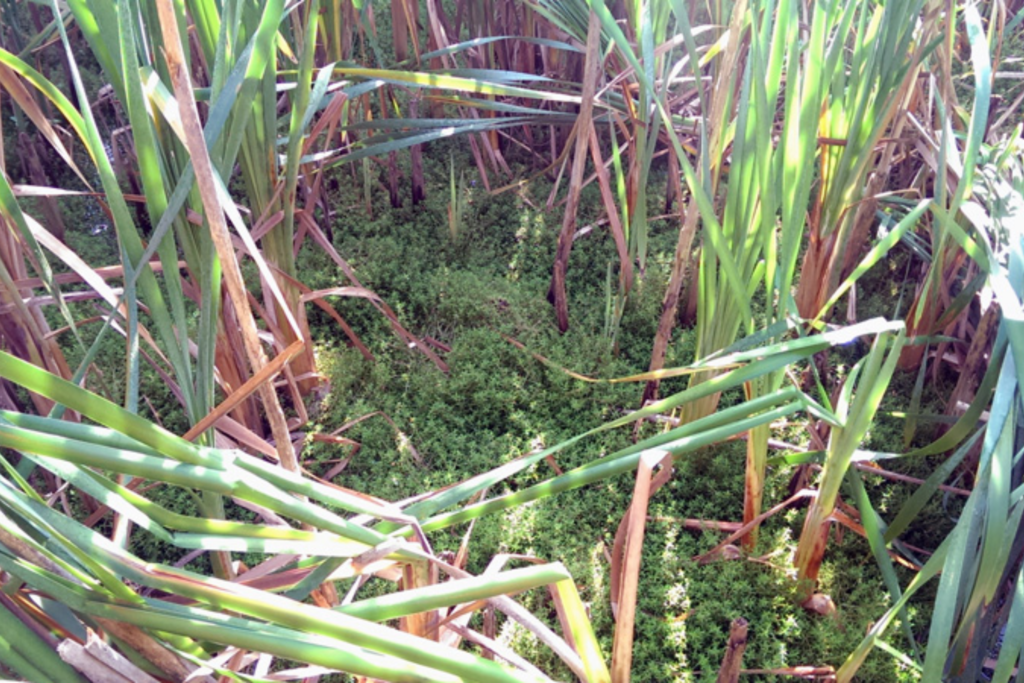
[[730, 671]]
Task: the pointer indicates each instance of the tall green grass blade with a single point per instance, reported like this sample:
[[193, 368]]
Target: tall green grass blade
[[127, 462], [610, 466], [74, 545], [765, 360], [857, 407], [913, 506], [455, 48], [877, 253], [151, 172], [982, 66], [1012, 648], [283, 611], [874, 528], [931, 568], [127, 232], [962, 545], [450, 593], [100, 410], [27, 654]]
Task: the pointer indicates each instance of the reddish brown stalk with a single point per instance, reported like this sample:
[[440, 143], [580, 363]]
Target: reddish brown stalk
[[252, 385], [929, 305], [699, 524], [670, 303], [740, 532], [625, 262], [805, 672], [557, 293], [733, 658], [629, 550]]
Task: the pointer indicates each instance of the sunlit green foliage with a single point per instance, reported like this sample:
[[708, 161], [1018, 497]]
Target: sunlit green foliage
[[843, 162]]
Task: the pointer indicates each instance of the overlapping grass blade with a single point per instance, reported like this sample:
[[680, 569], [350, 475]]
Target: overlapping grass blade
[[861, 396], [980, 559]]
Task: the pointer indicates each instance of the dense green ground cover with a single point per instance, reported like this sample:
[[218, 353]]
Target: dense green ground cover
[[498, 402], [468, 290]]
